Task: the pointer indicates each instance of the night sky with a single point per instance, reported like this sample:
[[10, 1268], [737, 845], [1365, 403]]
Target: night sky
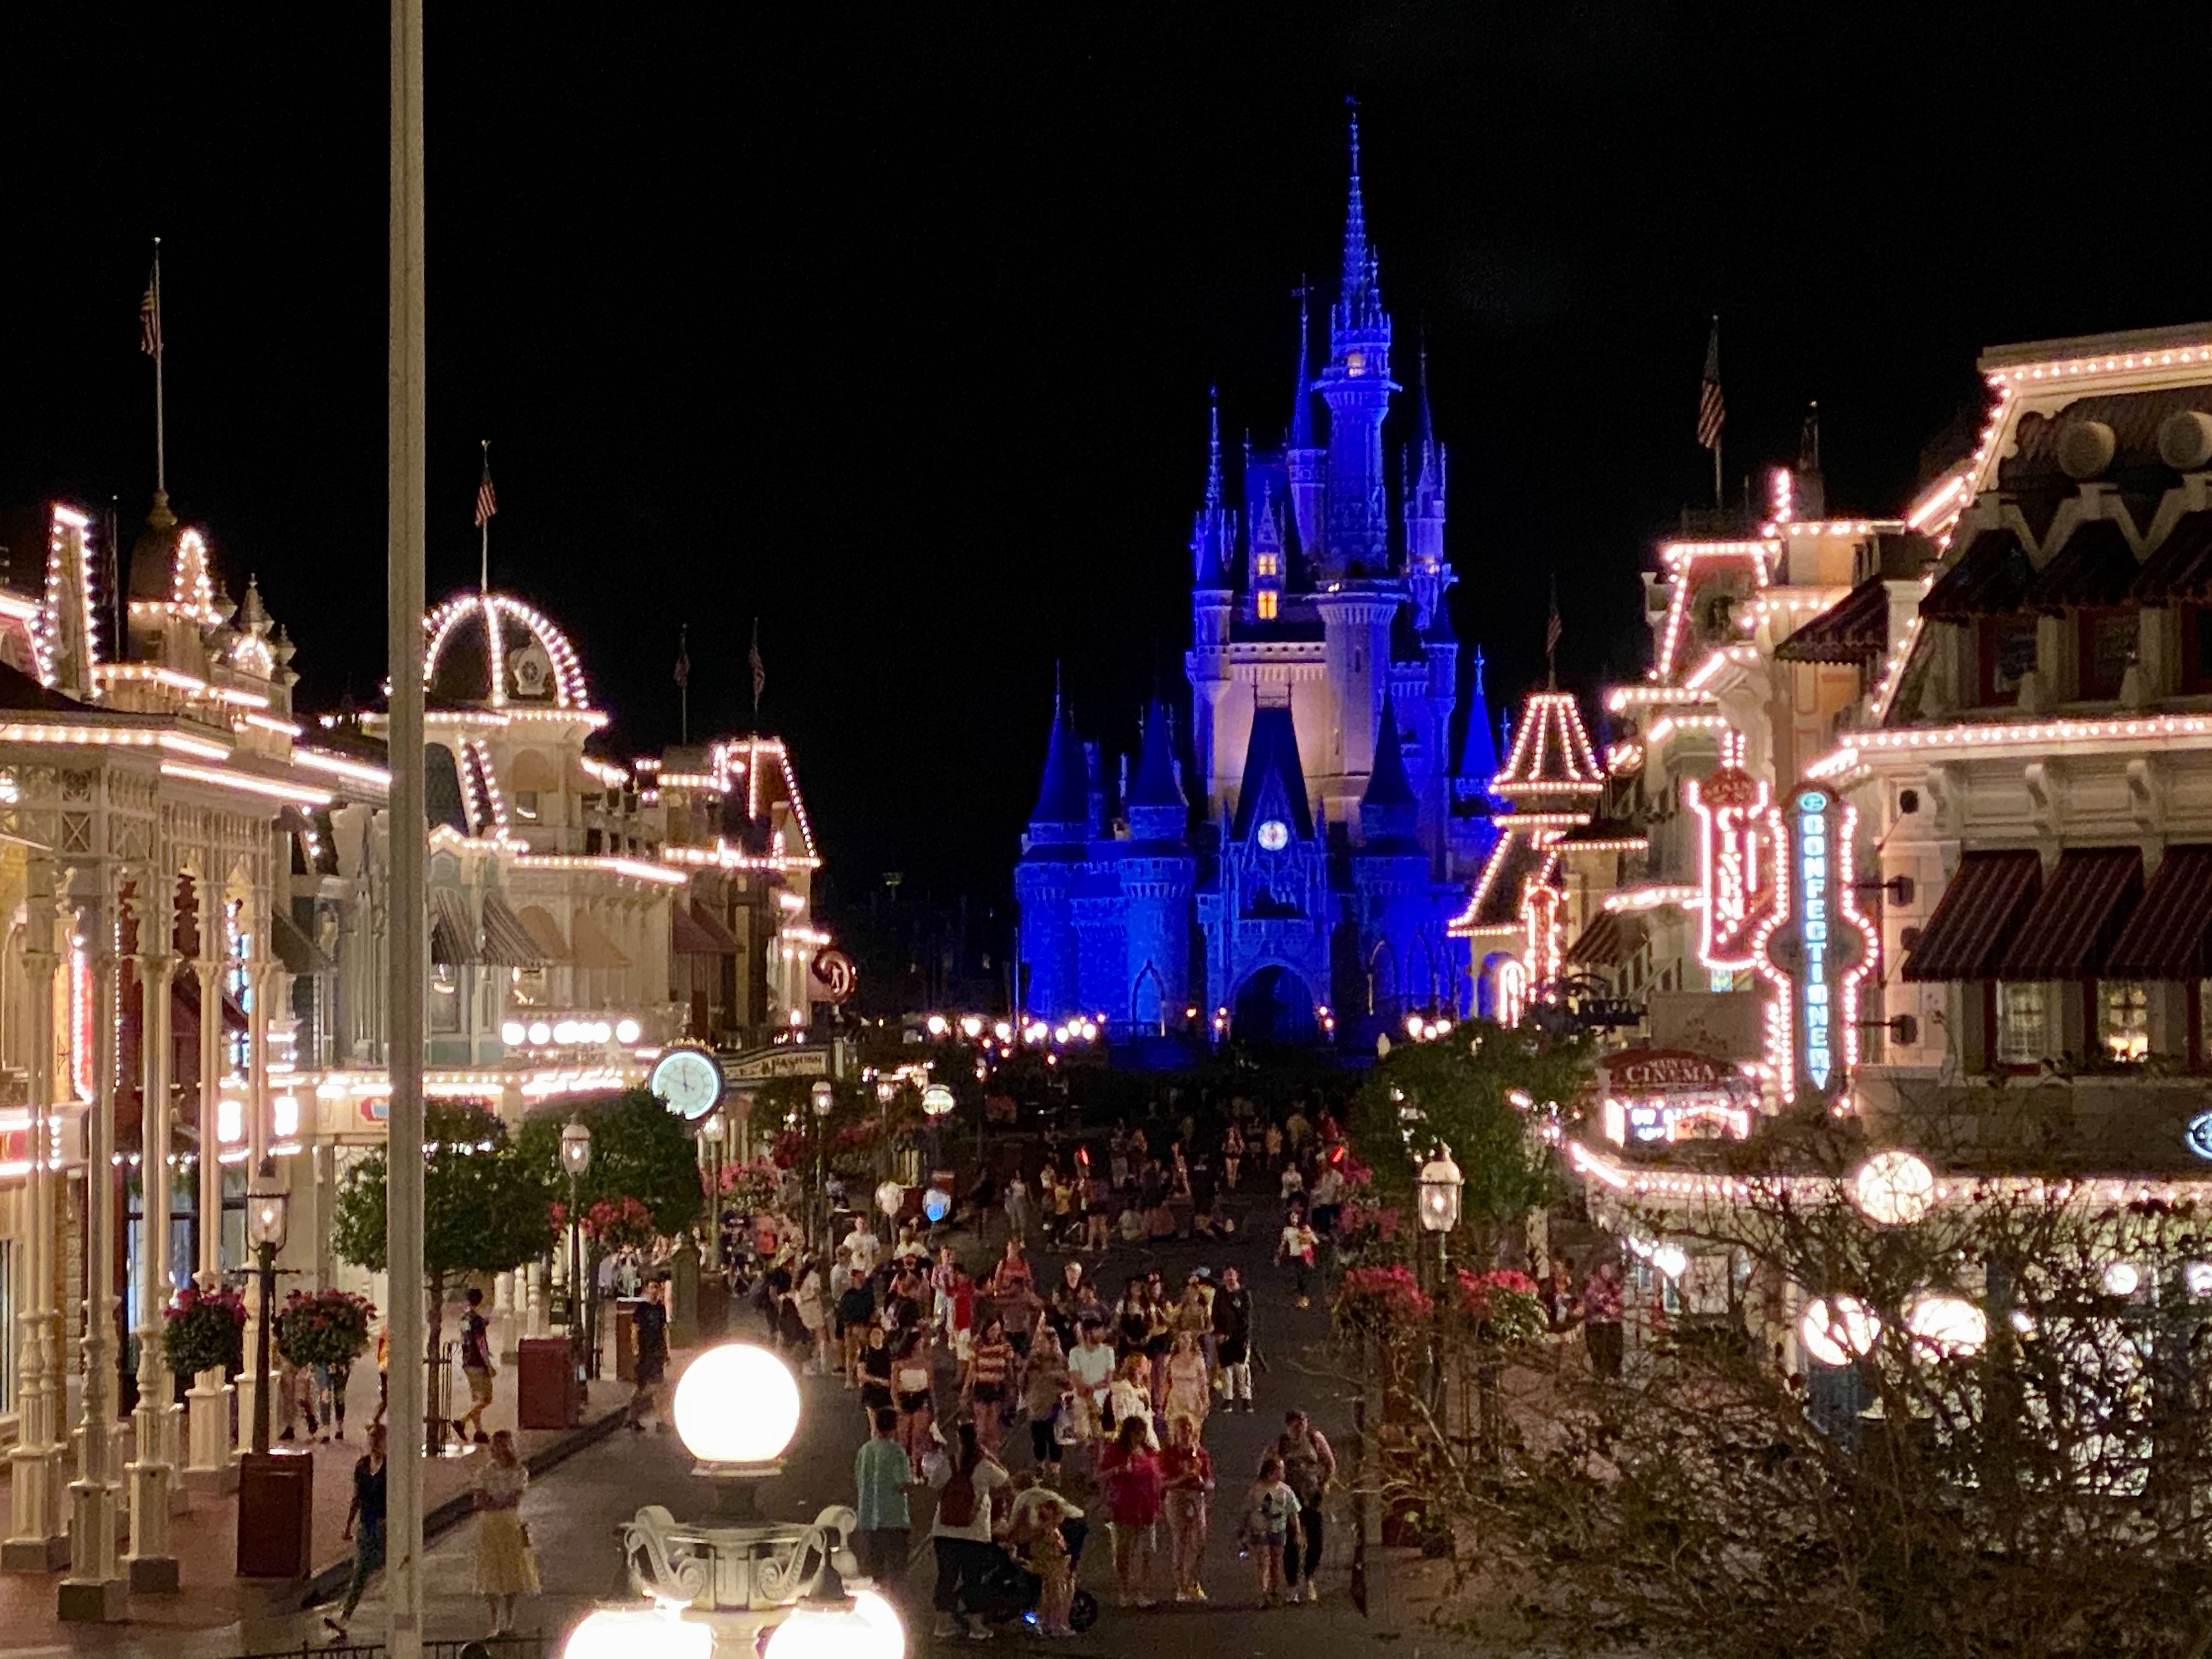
[[893, 326]]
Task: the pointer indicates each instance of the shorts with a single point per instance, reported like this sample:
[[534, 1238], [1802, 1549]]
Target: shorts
[[1020, 1342], [479, 1384], [911, 1403]]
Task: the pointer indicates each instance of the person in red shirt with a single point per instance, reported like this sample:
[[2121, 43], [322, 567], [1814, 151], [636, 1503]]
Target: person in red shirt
[[1130, 1477], [1187, 1473]]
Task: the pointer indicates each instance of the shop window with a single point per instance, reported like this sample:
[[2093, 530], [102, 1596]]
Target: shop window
[[2107, 646], [1266, 601], [2021, 1025], [445, 997], [2123, 1020], [2008, 652]]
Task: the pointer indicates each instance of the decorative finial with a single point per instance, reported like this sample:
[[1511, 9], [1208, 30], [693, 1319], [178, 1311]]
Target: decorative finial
[[1213, 452]]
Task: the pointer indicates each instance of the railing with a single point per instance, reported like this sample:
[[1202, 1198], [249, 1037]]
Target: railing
[[483, 1647]]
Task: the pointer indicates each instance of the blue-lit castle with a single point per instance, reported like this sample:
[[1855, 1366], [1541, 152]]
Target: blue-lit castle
[[1288, 865]]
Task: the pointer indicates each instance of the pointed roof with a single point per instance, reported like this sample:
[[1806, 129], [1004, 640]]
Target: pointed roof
[[1424, 428], [1551, 752], [1156, 784], [1210, 534], [1388, 785], [1065, 797], [1274, 780], [1301, 426], [1478, 755], [1360, 297]]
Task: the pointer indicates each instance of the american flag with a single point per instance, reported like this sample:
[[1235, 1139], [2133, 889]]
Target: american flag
[[760, 672], [1712, 413], [149, 314], [487, 501], [1551, 628], [683, 660]]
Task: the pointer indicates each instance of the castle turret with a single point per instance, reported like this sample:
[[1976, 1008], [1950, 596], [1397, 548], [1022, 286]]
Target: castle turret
[[1387, 810], [1357, 386], [1212, 599], [1159, 874], [1426, 571], [1306, 460], [1046, 880]]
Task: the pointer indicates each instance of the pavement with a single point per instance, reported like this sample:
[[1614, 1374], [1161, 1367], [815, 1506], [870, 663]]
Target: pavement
[[571, 1513]]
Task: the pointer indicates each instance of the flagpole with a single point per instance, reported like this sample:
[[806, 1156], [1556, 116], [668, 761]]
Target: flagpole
[[684, 682], [484, 534], [1718, 433], [161, 346]]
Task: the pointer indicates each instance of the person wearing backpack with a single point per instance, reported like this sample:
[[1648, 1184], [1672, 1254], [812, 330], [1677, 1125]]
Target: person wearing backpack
[[967, 1483]]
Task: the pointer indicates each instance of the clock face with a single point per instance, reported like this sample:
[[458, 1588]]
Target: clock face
[[1274, 834], [689, 1083]]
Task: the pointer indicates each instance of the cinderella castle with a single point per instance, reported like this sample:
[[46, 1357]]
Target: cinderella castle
[[1290, 861]]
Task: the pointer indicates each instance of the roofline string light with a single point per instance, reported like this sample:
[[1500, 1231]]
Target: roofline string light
[[569, 691]]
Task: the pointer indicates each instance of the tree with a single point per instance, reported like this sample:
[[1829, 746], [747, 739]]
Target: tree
[[2007, 1457], [1484, 1090], [484, 1206], [639, 1150]]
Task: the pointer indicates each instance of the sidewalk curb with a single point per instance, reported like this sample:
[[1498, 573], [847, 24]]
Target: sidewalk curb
[[326, 1584]]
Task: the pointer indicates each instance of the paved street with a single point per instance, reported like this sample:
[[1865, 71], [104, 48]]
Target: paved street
[[572, 1514]]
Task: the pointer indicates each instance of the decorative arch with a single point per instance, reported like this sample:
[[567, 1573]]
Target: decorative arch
[[1274, 1002], [1148, 1001], [497, 614], [1383, 995]]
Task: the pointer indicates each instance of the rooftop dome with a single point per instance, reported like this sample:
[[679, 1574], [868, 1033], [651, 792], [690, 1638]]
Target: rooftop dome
[[493, 649]]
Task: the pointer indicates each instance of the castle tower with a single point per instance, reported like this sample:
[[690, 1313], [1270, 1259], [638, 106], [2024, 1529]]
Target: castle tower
[[1308, 462], [1158, 874], [1050, 870], [1399, 964], [1357, 386], [1426, 571], [1212, 542]]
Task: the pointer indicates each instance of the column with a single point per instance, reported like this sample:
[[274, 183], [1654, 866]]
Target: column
[[210, 1466], [257, 1155], [37, 1539], [152, 1569], [93, 1591]]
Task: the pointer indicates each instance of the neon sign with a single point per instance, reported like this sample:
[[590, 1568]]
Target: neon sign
[[1544, 953], [1735, 853], [1817, 948], [1510, 992]]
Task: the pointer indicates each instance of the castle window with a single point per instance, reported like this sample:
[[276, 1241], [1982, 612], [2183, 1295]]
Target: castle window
[[1266, 564], [1266, 600]]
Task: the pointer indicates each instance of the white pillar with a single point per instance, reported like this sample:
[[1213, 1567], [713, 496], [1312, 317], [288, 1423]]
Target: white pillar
[[93, 1592], [257, 1153], [210, 1466], [152, 1568], [37, 1540]]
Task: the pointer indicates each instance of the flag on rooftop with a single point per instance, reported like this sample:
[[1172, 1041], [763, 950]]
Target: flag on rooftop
[[753, 661], [149, 314], [487, 499], [1712, 412]]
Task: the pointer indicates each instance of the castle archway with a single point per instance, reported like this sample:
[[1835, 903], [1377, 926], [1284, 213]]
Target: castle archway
[[1148, 1002], [1275, 1004]]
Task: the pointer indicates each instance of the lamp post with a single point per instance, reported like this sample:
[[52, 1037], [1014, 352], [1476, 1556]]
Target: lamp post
[[1440, 1184], [576, 1161], [936, 1100], [717, 1584], [267, 1216], [823, 1096]]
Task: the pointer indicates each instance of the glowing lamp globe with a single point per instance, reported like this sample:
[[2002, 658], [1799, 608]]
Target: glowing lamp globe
[[2197, 1276], [2123, 1278], [1951, 1325], [1838, 1329], [1439, 1184], [736, 1404], [880, 1613], [935, 1204], [638, 1633], [829, 1631], [1671, 1260], [1893, 1189]]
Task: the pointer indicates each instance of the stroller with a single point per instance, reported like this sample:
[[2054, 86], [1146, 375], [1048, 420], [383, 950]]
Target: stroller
[[1011, 1590]]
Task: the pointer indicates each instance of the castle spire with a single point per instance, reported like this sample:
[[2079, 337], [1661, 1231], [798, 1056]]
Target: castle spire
[[1359, 297], [1213, 450], [1301, 432], [1425, 428], [1212, 535]]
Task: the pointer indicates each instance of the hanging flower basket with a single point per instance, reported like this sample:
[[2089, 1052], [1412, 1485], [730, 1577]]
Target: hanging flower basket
[[1378, 1298], [205, 1332], [619, 1224], [1505, 1305], [323, 1328]]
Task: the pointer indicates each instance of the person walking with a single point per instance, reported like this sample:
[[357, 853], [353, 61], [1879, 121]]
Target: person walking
[[1186, 1473], [1309, 1470], [914, 1392], [1130, 1472], [1601, 1311], [1044, 1382], [960, 1532], [1189, 1393], [874, 1371], [1297, 1246], [651, 1325], [881, 1476], [990, 1374], [1271, 1510], [477, 1368], [1232, 1156], [364, 1525], [1232, 1339], [856, 1318], [506, 1567], [1090, 1377], [1016, 1205]]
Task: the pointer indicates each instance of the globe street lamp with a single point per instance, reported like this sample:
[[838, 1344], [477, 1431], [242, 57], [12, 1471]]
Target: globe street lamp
[[736, 1410], [823, 1096], [1439, 1185], [937, 1102], [267, 1219], [576, 1161]]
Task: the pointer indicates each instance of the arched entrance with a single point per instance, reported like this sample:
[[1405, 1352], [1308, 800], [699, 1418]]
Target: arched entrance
[[1275, 1004]]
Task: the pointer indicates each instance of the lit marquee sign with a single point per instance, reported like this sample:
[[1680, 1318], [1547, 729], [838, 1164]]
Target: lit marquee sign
[[1735, 856], [2198, 1134], [1816, 947]]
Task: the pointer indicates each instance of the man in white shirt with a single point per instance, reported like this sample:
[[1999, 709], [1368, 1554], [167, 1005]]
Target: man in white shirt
[[1091, 1374], [862, 1248]]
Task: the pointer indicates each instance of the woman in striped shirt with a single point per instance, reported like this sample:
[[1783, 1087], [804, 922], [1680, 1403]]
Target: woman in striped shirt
[[990, 1369]]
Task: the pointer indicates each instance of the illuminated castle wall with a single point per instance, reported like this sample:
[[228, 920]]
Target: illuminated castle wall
[[1291, 862]]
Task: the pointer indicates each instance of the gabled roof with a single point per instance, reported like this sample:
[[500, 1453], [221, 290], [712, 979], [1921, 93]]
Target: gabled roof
[[1274, 777], [1551, 752]]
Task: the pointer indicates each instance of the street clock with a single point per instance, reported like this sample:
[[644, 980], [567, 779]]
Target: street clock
[[688, 1080]]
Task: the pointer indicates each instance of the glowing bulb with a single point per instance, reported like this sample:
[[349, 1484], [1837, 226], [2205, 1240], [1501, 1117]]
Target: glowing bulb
[[1836, 1330], [971, 1027], [736, 1404], [540, 1032], [1671, 1260], [565, 1031], [2123, 1278], [1893, 1188], [512, 1033], [938, 1025], [627, 1031], [1949, 1324]]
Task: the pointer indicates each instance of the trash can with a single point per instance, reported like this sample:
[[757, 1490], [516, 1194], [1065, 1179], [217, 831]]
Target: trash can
[[276, 1514], [626, 1340], [545, 1388]]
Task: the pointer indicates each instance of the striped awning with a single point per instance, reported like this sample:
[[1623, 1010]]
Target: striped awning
[[1975, 920], [2167, 937], [1611, 941], [507, 939], [2078, 916], [452, 929]]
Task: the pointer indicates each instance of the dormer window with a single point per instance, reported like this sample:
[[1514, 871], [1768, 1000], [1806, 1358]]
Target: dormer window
[[1265, 603], [1266, 564]]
